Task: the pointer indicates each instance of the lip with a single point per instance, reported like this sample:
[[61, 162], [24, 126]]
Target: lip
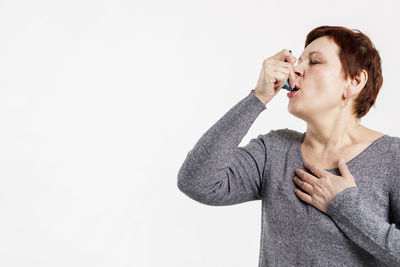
[[292, 93]]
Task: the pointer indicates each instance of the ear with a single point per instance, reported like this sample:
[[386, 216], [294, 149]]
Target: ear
[[357, 84], [345, 93]]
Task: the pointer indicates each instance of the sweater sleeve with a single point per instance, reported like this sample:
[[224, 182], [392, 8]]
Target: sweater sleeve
[[216, 171], [371, 232]]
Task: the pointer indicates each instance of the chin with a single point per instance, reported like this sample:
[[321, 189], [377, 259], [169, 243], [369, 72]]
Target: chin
[[295, 110]]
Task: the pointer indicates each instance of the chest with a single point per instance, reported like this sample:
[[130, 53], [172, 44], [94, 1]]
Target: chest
[[285, 208], [330, 159]]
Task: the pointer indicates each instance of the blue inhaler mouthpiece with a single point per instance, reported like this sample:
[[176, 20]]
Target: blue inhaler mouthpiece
[[287, 86]]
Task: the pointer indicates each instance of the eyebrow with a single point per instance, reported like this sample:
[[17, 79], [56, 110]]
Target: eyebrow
[[310, 54]]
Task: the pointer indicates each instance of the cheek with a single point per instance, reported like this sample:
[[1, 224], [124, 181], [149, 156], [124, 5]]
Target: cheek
[[324, 94], [322, 78], [325, 83], [326, 101]]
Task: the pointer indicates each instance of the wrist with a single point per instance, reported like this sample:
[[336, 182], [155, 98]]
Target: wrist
[[263, 99]]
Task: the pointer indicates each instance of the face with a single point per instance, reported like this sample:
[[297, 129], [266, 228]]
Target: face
[[320, 81]]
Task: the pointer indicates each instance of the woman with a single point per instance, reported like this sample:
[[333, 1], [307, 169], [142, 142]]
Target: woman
[[330, 195]]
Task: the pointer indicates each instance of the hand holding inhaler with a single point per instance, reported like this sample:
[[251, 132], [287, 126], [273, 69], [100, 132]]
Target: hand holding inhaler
[[276, 73]]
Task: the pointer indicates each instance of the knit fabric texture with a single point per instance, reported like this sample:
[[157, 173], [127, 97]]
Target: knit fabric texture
[[361, 225]]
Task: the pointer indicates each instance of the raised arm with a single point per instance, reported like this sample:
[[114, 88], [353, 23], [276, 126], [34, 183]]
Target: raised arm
[[216, 171]]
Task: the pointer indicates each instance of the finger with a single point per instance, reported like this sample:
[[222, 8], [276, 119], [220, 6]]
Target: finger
[[290, 71], [303, 185], [280, 63], [279, 81], [317, 171], [292, 60], [280, 76], [287, 71], [283, 55], [288, 57], [292, 77], [344, 170], [303, 196], [306, 177], [282, 69]]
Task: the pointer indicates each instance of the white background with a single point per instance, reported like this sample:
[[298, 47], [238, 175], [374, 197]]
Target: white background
[[101, 101]]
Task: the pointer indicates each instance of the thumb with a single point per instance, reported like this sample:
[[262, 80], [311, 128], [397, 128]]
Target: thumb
[[344, 170], [284, 55]]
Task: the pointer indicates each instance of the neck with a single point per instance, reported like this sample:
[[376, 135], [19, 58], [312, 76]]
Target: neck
[[332, 135]]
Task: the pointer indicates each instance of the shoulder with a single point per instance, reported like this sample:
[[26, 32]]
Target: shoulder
[[281, 138], [388, 148], [393, 157], [393, 145], [395, 142]]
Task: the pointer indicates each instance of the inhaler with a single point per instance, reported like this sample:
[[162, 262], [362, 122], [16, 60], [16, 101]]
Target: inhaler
[[287, 86]]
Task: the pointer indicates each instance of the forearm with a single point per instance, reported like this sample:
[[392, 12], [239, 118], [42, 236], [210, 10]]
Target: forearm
[[213, 151]]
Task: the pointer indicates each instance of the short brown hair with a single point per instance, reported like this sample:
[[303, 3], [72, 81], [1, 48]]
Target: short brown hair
[[356, 52]]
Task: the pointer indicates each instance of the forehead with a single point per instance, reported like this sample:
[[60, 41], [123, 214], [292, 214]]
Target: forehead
[[321, 46]]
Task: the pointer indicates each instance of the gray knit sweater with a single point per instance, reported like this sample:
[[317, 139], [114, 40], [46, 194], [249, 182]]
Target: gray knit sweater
[[361, 226]]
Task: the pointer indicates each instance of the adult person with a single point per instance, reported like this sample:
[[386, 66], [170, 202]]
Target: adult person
[[330, 196]]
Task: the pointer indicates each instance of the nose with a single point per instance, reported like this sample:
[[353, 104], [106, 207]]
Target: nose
[[297, 70]]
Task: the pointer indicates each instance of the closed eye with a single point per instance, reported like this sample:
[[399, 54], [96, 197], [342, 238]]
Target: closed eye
[[313, 62]]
